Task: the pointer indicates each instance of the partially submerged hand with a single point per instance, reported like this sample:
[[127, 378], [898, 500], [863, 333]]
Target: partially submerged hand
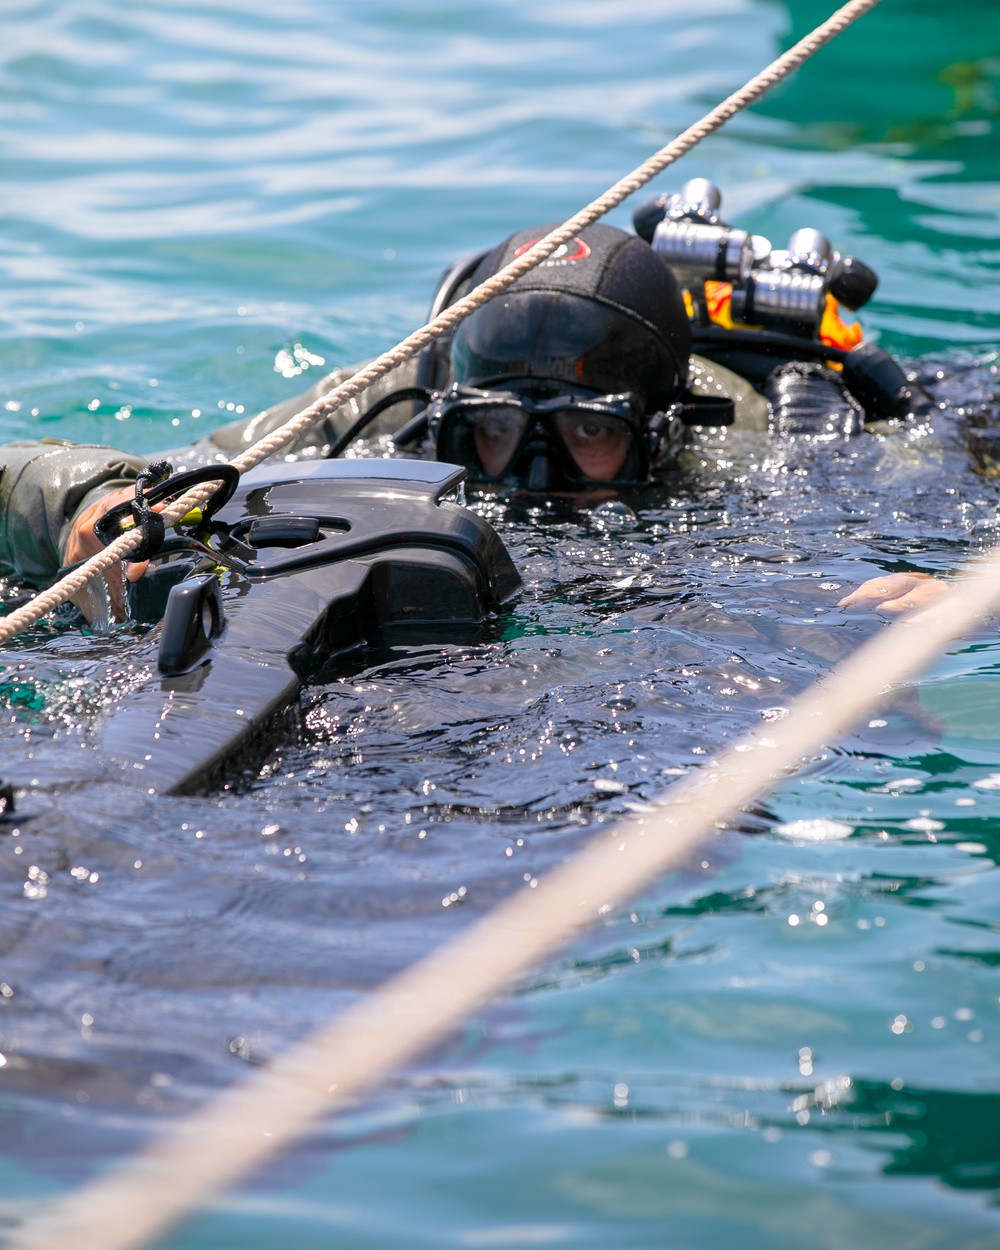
[[84, 543], [897, 593]]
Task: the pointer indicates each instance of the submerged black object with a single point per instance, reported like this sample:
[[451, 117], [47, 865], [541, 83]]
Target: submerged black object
[[304, 565], [882, 388]]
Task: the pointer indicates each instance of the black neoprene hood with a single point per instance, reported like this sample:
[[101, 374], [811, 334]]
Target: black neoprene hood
[[603, 313]]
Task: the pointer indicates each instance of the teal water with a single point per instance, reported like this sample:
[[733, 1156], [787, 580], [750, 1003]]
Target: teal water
[[794, 1043]]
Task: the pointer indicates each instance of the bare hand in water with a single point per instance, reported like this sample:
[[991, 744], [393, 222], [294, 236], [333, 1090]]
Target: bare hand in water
[[897, 593], [84, 543]]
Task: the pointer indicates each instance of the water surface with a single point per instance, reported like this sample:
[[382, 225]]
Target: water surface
[[794, 1041]]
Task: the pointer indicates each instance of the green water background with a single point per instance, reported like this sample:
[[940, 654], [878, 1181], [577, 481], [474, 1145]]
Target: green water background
[[192, 191]]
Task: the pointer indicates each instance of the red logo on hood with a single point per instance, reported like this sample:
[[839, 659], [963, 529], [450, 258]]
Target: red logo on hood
[[575, 249]]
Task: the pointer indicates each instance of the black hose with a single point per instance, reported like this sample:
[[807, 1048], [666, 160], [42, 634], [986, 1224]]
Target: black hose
[[376, 410], [766, 342]]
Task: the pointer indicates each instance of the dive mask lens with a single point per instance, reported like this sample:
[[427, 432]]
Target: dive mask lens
[[496, 434], [483, 437], [600, 444]]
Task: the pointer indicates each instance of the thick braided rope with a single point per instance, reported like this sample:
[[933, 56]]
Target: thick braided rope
[[46, 601]]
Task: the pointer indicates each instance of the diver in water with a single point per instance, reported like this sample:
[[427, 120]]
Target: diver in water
[[579, 378]]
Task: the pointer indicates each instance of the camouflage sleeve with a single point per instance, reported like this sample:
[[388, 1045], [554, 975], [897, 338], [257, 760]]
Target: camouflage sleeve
[[43, 487]]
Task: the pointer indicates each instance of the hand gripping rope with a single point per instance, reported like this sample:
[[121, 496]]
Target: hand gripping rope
[[124, 548], [152, 486], [138, 514]]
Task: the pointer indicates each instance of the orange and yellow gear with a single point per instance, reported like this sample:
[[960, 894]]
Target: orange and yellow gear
[[833, 330]]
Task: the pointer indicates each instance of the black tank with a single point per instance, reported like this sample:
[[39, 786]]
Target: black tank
[[603, 313]]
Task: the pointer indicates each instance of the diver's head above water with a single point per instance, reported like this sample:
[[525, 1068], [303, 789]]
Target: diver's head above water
[[577, 375], [562, 381]]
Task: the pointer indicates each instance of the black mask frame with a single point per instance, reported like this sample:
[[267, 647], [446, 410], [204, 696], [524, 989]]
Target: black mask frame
[[546, 435]]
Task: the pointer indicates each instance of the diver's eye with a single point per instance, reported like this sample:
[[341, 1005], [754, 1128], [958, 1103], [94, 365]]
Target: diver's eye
[[592, 430], [599, 445]]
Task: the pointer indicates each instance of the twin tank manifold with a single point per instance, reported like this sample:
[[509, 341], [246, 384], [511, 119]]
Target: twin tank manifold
[[313, 561]]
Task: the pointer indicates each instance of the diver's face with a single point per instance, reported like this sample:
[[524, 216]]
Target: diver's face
[[559, 440], [598, 446]]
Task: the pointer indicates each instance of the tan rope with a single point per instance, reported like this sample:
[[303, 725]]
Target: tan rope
[[47, 600], [209, 1150]]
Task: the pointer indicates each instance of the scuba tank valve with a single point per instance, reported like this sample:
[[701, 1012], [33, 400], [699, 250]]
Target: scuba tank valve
[[790, 290], [795, 290], [694, 241]]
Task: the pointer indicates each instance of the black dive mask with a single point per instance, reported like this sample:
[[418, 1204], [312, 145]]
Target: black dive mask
[[563, 440]]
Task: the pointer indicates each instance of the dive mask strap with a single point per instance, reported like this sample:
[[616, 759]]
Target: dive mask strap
[[666, 430]]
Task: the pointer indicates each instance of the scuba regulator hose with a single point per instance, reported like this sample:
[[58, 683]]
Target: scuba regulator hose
[[375, 411]]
